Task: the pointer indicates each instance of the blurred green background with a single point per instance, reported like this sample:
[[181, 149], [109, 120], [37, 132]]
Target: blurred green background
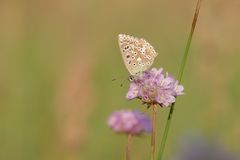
[[57, 59]]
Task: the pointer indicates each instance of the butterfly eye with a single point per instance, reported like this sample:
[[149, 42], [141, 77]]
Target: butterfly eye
[[131, 78], [134, 64]]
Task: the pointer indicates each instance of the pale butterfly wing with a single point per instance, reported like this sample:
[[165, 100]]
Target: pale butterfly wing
[[138, 55]]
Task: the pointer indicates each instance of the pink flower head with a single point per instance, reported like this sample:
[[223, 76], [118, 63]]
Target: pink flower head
[[129, 122], [155, 87]]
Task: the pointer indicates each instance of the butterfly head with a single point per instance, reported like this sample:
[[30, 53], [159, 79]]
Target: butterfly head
[[131, 78]]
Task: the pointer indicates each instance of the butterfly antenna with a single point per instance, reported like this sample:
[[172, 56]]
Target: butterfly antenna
[[114, 79], [117, 78], [124, 81]]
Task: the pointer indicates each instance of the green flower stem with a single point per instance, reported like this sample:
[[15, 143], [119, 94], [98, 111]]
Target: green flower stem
[[128, 147], [153, 136], [180, 74]]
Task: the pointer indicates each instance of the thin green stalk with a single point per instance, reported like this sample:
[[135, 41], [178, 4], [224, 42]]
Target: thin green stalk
[[180, 74], [153, 136]]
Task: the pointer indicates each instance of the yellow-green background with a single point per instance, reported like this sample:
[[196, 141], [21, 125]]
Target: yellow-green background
[[57, 59]]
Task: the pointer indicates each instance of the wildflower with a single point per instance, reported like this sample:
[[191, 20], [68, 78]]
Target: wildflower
[[129, 122], [155, 87], [199, 148]]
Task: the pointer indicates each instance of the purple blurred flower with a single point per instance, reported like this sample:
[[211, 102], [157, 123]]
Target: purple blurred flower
[[130, 122], [155, 87], [199, 148]]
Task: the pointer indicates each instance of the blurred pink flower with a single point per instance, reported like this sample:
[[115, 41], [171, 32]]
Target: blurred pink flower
[[130, 122]]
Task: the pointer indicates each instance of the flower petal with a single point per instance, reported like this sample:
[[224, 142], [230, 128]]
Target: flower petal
[[133, 91]]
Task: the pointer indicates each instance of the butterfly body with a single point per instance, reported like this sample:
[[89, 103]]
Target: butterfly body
[[138, 55]]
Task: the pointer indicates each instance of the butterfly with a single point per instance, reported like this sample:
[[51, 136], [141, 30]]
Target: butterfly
[[138, 55]]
